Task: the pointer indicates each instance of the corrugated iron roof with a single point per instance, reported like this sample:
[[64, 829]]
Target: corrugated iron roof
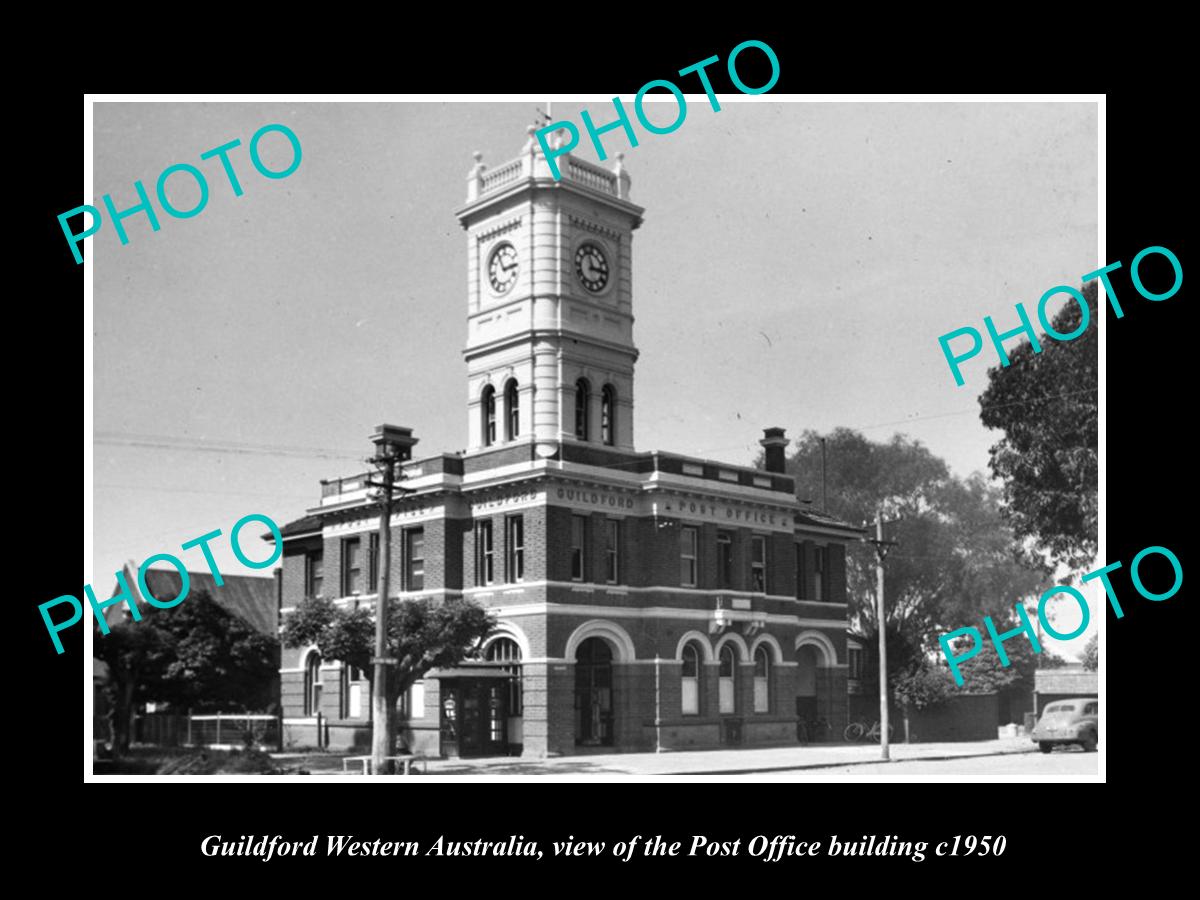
[[251, 598], [1066, 681]]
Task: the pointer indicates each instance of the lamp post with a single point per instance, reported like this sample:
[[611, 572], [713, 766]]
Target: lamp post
[[393, 445]]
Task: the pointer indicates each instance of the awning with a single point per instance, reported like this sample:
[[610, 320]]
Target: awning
[[468, 672]]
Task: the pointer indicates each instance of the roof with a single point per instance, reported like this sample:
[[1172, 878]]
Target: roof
[[823, 520], [1066, 681], [252, 599], [297, 527]]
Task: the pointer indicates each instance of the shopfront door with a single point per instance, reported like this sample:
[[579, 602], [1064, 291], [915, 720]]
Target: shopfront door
[[473, 717], [593, 694]]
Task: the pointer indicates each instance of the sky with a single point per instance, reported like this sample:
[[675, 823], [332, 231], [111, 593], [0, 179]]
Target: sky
[[797, 263]]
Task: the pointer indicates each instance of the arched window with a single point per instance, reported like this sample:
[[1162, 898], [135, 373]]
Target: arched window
[[488, 407], [691, 679], [727, 679], [608, 411], [312, 684], [583, 395], [762, 680], [512, 411], [506, 650]]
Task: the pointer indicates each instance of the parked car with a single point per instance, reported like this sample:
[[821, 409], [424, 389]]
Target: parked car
[[1068, 722]]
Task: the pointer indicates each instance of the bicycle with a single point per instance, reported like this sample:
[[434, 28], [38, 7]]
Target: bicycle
[[856, 731]]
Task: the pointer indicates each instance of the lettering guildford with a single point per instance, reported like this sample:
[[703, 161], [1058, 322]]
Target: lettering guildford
[[126, 596], [1026, 327], [144, 205], [1027, 628], [622, 120]]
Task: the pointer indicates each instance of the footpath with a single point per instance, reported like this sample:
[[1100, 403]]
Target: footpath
[[763, 760]]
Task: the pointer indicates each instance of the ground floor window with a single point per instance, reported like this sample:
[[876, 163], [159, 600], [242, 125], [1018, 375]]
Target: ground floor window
[[762, 680], [312, 684], [506, 650], [727, 679], [691, 680]]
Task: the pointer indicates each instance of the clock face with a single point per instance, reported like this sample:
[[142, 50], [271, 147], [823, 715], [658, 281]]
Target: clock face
[[503, 267], [591, 267]]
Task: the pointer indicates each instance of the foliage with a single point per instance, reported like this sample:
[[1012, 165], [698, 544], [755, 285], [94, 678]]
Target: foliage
[[1046, 405], [922, 686], [422, 635], [1091, 654], [210, 660], [196, 655], [956, 560]]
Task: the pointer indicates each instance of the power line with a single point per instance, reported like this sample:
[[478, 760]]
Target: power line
[[202, 445], [169, 490]]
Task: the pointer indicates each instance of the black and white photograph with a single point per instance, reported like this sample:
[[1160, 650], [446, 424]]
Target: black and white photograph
[[751, 449]]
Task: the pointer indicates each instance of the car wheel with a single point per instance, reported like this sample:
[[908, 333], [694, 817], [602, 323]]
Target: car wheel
[[1088, 743], [1045, 746]]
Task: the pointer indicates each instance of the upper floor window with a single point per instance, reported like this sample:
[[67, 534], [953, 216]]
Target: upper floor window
[[512, 410], [578, 530], [372, 562], [608, 410], [612, 550], [314, 575], [486, 553], [414, 559], [688, 540], [800, 587], [515, 543], [351, 566], [819, 557], [724, 559], [758, 563], [488, 408], [583, 395]]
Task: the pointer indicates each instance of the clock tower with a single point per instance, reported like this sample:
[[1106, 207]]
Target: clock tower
[[550, 352]]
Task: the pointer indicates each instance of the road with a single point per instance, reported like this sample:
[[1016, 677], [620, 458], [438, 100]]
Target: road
[[1013, 765]]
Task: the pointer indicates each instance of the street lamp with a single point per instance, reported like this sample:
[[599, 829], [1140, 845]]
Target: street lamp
[[393, 445]]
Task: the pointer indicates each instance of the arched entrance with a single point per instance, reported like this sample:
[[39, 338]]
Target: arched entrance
[[593, 693], [814, 701]]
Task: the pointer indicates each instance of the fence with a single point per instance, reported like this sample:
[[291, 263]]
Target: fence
[[220, 730]]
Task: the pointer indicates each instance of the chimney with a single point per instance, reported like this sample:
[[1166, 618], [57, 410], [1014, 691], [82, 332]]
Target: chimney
[[775, 443]]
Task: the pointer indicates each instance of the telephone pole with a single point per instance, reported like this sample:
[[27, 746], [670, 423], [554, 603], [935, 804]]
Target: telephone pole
[[881, 551], [393, 445]]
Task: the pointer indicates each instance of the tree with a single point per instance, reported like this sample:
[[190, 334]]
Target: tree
[[128, 650], [195, 655], [955, 561], [422, 635], [211, 660], [1046, 405], [1091, 654]]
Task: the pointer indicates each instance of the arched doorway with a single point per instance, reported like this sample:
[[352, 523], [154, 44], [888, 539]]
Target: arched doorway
[[593, 693], [808, 703]]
